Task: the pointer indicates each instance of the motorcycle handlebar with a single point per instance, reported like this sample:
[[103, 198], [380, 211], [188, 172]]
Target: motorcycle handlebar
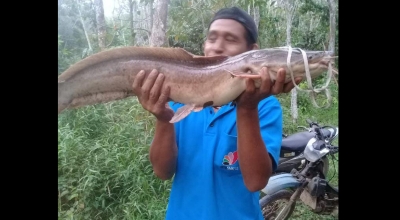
[[334, 149], [325, 132]]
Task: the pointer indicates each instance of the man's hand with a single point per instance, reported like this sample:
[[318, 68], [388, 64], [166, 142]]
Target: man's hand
[[152, 95], [252, 96]]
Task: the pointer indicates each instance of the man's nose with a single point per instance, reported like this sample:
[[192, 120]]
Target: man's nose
[[218, 47]]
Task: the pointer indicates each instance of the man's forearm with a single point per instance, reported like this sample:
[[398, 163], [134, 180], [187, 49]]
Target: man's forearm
[[163, 150], [255, 162]]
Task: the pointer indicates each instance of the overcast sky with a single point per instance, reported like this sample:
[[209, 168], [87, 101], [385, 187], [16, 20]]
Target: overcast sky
[[108, 7]]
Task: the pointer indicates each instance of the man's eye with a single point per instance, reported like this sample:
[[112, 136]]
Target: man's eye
[[230, 39], [211, 38]]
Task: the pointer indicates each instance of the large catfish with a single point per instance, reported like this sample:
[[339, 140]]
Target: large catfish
[[196, 81]]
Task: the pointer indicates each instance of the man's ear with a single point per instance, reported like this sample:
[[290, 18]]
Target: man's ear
[[254, 46]]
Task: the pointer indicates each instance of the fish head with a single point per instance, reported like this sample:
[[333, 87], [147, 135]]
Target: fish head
[[276, 58], [317, 62]]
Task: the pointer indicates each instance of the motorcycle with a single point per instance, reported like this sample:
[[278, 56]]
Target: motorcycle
[[309, 183], [292, 148]]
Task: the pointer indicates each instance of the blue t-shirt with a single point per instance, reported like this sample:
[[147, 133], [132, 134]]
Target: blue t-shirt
[[208, 183]]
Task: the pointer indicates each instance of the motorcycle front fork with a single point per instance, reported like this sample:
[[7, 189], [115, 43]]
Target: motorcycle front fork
[[295, 196], [292, 200]]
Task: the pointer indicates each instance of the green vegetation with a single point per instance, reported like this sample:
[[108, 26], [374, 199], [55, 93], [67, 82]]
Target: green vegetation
[[103, 166]]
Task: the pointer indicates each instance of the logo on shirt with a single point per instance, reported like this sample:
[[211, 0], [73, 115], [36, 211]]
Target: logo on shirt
[[230, 159]]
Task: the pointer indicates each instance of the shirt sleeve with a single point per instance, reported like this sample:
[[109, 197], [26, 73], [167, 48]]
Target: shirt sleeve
[[271, 125]]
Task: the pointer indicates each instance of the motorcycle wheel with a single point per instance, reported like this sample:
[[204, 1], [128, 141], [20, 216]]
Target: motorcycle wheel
[[271, 205]]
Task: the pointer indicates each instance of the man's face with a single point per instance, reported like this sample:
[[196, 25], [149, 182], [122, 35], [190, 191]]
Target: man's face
[[225, 37]]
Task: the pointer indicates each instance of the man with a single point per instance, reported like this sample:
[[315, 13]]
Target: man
[[221, 158]]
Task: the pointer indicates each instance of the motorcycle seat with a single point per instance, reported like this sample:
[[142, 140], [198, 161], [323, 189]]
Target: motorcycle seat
[[297, 141]]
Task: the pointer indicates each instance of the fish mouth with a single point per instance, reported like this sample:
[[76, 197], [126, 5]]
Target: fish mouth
[[329, 53], [324, 60], [324, 63]]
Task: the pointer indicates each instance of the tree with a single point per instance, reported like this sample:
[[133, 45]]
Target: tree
[[89, 49], [101, 24], [332, 25], [132, 4], [290, 8], [159, 28], [332, 28]]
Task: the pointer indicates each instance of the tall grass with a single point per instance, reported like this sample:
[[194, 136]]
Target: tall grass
[[103, 166]]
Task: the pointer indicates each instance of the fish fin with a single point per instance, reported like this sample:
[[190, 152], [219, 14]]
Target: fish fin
[[250, 76], [243, 74], [182, 112], [174, 103], [197, 109], [167, 106], [137, 53], [232, 74]]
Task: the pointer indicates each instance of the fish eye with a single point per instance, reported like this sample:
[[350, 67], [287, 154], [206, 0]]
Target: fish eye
[[315, 55]]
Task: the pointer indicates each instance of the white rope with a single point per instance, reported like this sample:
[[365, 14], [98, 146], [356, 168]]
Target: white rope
[[312, 91]]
